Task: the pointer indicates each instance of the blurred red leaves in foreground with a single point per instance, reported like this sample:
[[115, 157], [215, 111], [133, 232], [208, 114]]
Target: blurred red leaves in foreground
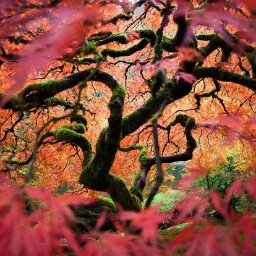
[[233, 126], [33, 222], [64, 34]]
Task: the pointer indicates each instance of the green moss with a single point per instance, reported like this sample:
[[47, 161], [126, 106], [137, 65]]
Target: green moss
[[108, 202], [149, 34], [170, 233], [168, 94], [78, 118], [89, 48], [87, 215], [115, 181], [49, 85], [65, 133], [120, 194], [135, 191], [137, 177], [223, 75], [158, 50], [78, 128], [126, 16], [143, 157], [68, 135], [118, 91], [113, 185], [190, 123], [15, 100], [108, 144], [89, 178], [140, 116], [99, 36], [121, 38], [38, 92], [54, 101], [126, 52], [168, 44], [16, 103], [109, 138], [82, 60], [100, 57]]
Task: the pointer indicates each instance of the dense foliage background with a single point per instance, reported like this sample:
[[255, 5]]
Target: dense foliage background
[[127, 127]]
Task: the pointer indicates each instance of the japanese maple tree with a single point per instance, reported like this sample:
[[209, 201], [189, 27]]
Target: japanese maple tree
[[105, 96]]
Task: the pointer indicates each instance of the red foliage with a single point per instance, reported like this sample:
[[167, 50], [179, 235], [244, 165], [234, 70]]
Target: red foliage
[[215, 16], [180, 75], [189, 54], [67, 32], [133, 35], [234, 126], [46, 230], [148, 221], [204, 236]]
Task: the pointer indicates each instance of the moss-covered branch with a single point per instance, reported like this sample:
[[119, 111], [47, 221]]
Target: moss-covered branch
[[214, 43], [126, 16], [147, 162], [54, 101], [121, 195], [189, 124], [140, 178], [126, 52], [168, 94], [16, 103], [81, 60], [95, 174], [74, 134], [120, 38], [34, 95], [226, 76], [145, 35]]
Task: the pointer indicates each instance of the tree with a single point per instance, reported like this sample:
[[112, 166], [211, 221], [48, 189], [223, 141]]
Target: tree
[[148, 68]]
